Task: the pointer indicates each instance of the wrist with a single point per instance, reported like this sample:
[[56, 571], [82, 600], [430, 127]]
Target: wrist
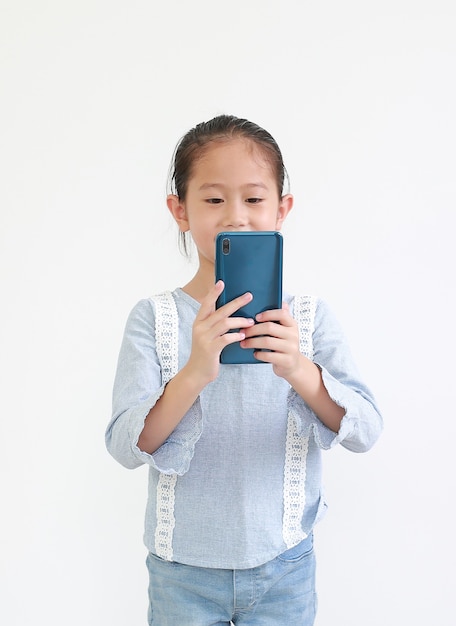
[[306, 378], [193, 378]]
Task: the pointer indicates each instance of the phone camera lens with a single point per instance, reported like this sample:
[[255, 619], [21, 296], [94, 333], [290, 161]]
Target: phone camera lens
[[226, 246]]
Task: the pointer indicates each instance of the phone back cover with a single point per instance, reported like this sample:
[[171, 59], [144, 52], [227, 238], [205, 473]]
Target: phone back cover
[[253, 263]]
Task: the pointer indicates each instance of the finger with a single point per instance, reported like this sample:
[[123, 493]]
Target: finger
[[229, 338], [282, 316], [273, 329], [234, 305], [231, 325], [208, 303], [237, 322], [224, 319], [275, 358], [265, 343], [265, 357]]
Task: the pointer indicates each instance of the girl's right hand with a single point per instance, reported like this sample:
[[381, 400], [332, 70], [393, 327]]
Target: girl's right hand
[[210, 333]]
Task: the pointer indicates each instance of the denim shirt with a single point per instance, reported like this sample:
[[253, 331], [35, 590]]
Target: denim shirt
[[238, 481]]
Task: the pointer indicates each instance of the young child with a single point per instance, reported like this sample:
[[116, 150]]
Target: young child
[[233, 450]]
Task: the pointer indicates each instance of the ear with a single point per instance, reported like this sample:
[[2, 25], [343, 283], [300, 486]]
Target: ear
[[285, 206], [177, 210]]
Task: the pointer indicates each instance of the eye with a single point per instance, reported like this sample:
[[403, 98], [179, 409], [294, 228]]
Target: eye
[[254, 200], [214, 200]]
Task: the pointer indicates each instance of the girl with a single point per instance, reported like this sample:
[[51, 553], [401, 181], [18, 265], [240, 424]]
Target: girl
[[233, 450]]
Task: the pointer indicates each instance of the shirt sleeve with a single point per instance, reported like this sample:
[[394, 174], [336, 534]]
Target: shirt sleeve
[[362, 423], [137, 388]]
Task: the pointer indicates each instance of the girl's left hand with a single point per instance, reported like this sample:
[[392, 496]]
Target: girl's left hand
[[278, 331]]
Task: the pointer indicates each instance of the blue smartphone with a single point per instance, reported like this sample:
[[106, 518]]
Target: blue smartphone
[[249, 261]]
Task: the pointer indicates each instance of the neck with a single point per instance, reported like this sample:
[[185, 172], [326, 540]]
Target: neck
[[202, 282]]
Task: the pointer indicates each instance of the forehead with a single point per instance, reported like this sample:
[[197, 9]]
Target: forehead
[[233, 158]]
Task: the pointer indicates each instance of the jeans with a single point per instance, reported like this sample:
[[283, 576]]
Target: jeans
[[279, 592]]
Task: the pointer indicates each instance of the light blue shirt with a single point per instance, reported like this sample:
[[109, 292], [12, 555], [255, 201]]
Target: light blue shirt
[[239, 480]]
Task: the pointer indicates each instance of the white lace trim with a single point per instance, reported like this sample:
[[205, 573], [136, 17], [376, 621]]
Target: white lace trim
[[294, 488], [167, 342], [166, 334], [165, 516], [304, 314]]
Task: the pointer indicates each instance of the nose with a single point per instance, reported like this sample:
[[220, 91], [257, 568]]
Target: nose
[[236, 215]]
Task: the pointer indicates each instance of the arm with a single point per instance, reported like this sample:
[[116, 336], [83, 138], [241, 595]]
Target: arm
[[138, 388], [178, 397], [362, 423], [209, 337], [330, 391], [300, 372], [307, 380]]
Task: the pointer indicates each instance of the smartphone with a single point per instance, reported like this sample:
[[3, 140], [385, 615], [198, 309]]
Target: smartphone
[[249, 261]]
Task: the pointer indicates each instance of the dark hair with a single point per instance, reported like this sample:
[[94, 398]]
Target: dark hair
[[194, 144]]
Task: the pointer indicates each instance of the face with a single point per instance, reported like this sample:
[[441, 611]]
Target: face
[[232, 187]]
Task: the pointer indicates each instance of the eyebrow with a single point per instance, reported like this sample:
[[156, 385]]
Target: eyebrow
[[222, 186]]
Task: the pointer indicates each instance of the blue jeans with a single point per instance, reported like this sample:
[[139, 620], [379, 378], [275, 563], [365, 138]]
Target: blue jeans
[[279, 592]]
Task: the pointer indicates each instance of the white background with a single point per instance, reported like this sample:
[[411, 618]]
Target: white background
[[94, 96]]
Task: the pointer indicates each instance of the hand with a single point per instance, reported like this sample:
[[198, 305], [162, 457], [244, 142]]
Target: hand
[[282, 336], [278, 331], [210, 333]]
